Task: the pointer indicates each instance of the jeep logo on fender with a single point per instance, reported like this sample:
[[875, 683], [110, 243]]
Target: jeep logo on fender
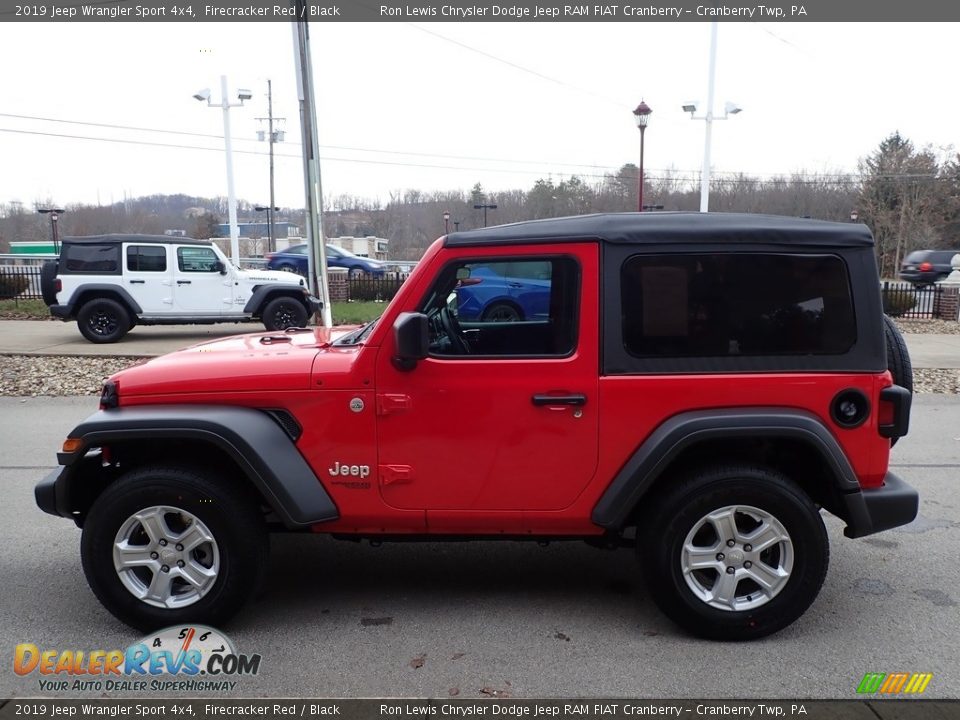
[[351, 470]]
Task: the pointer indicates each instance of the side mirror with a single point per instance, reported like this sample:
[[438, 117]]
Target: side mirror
[[220, 267], [412, 338]]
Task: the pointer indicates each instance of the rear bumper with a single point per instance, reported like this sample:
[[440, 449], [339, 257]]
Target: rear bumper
[[61, 311], [891, 505]]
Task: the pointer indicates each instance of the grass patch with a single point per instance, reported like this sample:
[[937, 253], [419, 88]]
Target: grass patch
[[23, 310], [356, 313]]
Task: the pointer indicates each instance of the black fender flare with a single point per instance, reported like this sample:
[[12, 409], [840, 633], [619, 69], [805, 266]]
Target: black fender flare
[[101, 289], [259, 297], [680, 432], [254, 439]]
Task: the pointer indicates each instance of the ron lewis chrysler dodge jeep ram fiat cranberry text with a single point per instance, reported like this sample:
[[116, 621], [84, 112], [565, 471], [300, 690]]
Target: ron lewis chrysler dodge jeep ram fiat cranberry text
[[698, 386]]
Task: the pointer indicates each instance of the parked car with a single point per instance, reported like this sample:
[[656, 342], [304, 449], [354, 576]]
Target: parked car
[[700, 388], [925, 267], [493, 292], [110, 283], [294, 259]]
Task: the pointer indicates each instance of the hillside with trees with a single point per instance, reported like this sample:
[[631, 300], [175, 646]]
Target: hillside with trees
[[909, 197]]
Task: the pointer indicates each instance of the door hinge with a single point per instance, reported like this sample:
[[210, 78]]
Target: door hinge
[[392, 402], [395, 474]]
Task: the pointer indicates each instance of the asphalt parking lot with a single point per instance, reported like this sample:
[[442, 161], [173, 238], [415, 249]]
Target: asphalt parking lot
[[476, 620]]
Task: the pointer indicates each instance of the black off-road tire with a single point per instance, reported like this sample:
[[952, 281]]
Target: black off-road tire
[[282, 313], [228, 511], [103, 320], [686, 506], [48, 277]]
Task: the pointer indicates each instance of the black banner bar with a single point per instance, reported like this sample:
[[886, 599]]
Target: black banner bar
[[852, 11]]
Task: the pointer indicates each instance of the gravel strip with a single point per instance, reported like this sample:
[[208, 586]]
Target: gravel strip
[[928, 327], [54, 375]]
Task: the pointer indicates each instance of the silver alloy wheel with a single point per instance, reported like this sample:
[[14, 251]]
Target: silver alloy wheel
[[166, 557], [737, 558]]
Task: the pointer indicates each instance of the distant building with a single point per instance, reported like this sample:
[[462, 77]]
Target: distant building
[[257, 230]]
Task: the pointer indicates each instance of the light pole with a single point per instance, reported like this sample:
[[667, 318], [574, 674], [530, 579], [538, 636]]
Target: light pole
[[272, 136], [446, 223], [485, 207], [642, 116], [728, 110], [270, 210], [854, 215], [456, 226], [54, 214], [242, 95]]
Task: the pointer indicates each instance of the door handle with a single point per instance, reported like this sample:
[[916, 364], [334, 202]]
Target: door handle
[[184, 282], [137, 282], [577, 400]]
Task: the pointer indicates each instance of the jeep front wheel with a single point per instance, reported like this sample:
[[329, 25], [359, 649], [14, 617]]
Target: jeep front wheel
[[282, 313], [103, 321], [165, 545], [734, 553]]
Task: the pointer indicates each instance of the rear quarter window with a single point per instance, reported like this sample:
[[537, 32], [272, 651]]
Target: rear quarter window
[[92, 258], [736, 304]]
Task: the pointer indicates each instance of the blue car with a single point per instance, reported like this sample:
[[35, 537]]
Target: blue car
[[491, 294], [294, 259]]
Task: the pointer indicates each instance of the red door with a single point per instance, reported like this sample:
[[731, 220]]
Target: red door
[[513, 424]]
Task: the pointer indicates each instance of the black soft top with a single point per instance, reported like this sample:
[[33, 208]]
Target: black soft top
[[122, 238], [669, 227]]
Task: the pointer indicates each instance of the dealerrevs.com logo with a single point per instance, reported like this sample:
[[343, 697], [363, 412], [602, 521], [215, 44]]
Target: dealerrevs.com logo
[[899, 683], [193, 658]]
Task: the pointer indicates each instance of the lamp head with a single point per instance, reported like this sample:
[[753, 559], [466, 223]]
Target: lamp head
[[731, 108], [202, 95], [690, 106], [244, 95]]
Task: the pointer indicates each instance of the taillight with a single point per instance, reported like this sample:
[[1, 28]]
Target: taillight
[[926, 267], [58, 284]]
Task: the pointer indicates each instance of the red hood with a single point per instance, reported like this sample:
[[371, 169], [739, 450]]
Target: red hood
[[240, 363]]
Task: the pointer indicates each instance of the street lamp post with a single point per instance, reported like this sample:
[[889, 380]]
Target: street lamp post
[[270, 210], [456, 226], [642, 116], [242, 95], [728, 110], [446, 223], [54, 214], [854, 215], [485, 207]]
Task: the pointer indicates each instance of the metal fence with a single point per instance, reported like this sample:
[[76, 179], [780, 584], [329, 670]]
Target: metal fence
[[903, 300], [14, 267]]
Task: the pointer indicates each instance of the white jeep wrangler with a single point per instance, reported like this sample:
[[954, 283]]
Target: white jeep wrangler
[[110, 283]]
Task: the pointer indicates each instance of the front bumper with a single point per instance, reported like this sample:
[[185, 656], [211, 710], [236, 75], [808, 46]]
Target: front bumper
[[51, 493], [891, 505]]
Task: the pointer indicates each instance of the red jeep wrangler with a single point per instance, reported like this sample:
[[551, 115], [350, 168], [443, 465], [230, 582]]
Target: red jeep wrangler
[[698, 386]]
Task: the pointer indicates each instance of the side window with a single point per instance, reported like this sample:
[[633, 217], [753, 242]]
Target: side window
[[92, 258], [196, 259], [515, 307], [736, 304], [146, 258]]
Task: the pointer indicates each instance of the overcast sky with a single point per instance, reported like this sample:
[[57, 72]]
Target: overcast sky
[[443, 106]]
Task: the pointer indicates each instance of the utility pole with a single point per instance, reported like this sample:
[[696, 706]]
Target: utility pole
[[272, 136]]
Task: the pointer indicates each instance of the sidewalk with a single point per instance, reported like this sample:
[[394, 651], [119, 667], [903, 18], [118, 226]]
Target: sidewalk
[[45, 337]]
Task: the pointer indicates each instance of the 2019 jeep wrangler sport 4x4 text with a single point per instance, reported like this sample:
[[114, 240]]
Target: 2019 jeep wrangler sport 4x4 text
[[698, 386], [111, 283]]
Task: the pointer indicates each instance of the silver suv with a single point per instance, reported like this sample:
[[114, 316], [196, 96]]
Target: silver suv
[[110, 283]]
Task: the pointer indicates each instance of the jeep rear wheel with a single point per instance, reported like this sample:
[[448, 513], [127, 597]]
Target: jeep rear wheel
[[166, 545], [284, 312], [103, 320], [734, 553]]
